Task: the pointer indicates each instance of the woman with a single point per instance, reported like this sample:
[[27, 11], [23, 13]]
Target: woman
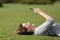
[[47, 28]]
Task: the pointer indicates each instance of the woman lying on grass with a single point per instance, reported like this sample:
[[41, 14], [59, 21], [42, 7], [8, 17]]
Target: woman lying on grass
[[47, 28]]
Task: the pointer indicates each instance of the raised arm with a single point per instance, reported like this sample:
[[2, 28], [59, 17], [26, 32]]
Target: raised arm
[[44, 26], [37, 10]]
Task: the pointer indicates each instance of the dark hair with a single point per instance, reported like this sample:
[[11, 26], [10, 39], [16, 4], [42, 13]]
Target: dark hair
[[24, 30]]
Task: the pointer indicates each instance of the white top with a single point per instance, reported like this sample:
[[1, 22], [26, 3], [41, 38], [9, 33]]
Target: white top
[[48, 28]]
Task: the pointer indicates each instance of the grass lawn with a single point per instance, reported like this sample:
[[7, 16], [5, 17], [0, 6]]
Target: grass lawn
[[11, 15]]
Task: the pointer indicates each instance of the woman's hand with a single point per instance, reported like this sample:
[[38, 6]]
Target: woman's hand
[[37, 10], [43, 14]]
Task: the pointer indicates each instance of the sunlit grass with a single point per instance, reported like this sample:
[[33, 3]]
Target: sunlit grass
[[11, 15]]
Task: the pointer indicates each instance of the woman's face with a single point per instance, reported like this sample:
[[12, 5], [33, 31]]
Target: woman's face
[[30, 27]]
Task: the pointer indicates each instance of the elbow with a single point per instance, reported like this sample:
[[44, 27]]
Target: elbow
[[51, 19]]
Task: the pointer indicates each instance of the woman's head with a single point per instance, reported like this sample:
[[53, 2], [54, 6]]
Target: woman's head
[[26, 28]]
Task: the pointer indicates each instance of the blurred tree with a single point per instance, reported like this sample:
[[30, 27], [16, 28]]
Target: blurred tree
[[26, 1], [4, 1], [29, 1], [10, 1], [37, 1], [1, 4]]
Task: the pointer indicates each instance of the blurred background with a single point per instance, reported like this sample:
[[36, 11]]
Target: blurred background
[[14, 12], [29, 1]]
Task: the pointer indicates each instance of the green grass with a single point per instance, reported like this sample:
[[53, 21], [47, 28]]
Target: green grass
[[11, 15]]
